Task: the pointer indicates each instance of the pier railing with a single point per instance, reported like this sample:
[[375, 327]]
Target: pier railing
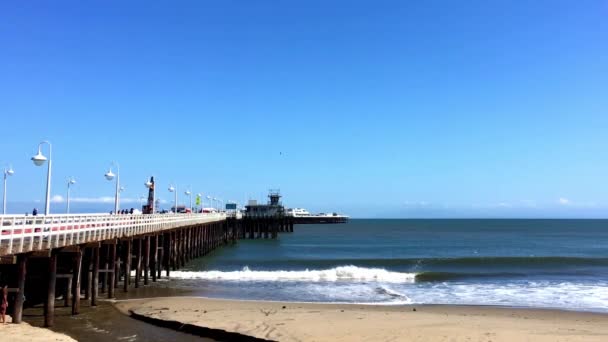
[[21, 233]]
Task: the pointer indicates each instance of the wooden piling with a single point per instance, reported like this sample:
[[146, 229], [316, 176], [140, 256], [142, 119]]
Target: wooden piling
[[172, 250], [112, 266], [86, 270], [161, 253], [146, 264], [76, 275], [21, 273], [154, 257], [95, 277], [127, 265], [182, 248], [167, 252], [138, 263], [67, 295], [49, 304]]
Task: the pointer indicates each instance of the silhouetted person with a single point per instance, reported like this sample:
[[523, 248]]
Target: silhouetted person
[[35, 212], [3, 303], [131, 211]]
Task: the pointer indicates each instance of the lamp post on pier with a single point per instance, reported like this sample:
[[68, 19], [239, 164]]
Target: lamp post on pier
[[39, 159], [209, 199], [7, 172], [71, 181], [174, 189], [109, 176], [189, 193]]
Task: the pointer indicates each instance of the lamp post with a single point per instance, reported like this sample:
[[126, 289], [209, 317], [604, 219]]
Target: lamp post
[[109, 176], [71, 181], [174, 189], [209, 199], [7, 172], [189, 193], [217, 207], [39, 159]]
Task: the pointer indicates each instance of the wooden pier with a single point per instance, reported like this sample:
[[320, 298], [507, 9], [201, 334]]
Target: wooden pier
[[86, 257]]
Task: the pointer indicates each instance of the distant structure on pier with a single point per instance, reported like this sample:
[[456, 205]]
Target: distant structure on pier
[[273, 208], [148, 208]]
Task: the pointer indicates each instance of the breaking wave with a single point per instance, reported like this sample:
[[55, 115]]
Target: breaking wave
[[342, 273]]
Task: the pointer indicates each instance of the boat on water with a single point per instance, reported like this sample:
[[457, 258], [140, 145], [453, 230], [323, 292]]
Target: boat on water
[[297, 212]]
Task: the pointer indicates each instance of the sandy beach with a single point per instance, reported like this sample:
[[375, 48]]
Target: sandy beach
[[343, 322], [26, 333]]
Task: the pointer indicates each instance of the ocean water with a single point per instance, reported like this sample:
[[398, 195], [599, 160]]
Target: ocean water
[[524, 263]]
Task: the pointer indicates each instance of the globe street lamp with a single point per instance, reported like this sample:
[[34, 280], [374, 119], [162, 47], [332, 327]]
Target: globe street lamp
[[174, 189], [39, 159], [71, 181], [109, 176], [189, 193], [7, 172]]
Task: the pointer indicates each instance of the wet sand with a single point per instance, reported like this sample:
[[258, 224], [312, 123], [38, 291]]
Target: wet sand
[[106, 323], [346, 322], [279, 321], [26, 333]]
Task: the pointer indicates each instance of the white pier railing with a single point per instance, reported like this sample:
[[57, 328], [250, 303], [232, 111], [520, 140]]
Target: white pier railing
[[20, 233]]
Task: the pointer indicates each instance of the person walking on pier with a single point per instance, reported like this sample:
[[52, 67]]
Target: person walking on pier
[[3, 304]]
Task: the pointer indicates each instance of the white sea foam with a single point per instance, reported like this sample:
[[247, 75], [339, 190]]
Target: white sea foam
[[342, 273], [351, 284]]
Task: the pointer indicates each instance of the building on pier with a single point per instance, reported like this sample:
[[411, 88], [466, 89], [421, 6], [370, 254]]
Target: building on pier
[[273, 208]]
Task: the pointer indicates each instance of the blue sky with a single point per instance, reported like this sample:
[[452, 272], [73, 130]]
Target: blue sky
[[373, 108]]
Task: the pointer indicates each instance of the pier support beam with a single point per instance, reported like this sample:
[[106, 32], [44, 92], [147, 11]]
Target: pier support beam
[[127, 263], [161, 253], [49, 304], [154, 257], [86, 270], [21, 272], [67, 296], [76, 275], [167, 252], [146, 259], [138, 263], [95, 277], [112, 266]]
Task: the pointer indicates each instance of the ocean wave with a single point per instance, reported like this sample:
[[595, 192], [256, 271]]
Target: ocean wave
[[387, 291], [447, 276], [342, 273], [485, 263]]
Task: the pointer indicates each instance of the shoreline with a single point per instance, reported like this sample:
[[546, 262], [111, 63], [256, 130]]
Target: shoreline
[[188, 294], [295, 321], [106, 323], [93, 323]]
